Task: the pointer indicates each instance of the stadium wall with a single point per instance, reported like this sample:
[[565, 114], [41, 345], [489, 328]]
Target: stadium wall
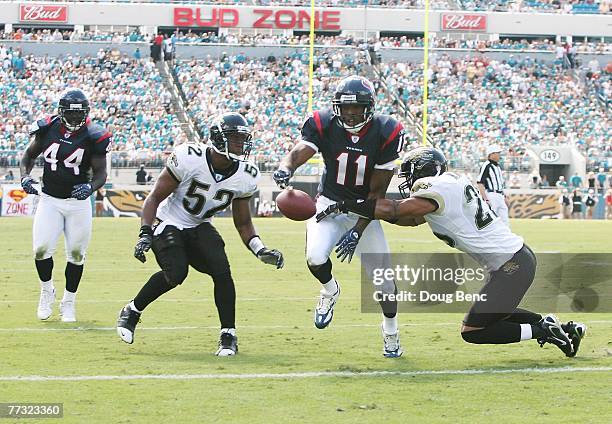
[[295, 18]]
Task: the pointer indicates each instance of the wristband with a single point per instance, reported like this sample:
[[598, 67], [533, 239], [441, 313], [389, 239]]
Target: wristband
[[255, 244], [145, 230]]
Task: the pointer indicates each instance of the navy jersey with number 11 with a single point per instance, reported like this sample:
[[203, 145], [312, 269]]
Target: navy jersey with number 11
[[351, 158]]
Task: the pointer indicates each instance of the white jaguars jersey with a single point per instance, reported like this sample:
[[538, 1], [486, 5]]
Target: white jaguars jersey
[[465, 221], [202, 192]]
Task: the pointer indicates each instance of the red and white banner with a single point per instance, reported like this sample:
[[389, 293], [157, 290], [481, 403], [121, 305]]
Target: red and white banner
[[463, 22], [290, 18], [43, 13], [16, 202]]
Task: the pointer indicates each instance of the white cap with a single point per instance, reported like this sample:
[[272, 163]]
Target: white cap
[[494, 148]]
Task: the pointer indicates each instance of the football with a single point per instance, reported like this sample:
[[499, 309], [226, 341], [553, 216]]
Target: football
[[295, 204]]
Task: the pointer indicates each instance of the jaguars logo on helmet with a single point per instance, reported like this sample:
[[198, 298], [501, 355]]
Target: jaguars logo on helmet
[[231, 136], [420, 163], [73, 109]]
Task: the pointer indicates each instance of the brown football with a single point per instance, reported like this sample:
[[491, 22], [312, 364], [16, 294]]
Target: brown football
[[295, 204]]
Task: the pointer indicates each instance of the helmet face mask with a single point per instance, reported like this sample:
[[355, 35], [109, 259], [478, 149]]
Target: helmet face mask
[[353, 103], [73, 109], [231, 136]]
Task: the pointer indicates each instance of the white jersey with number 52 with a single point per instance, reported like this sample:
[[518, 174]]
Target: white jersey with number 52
[[465, 221], [202, 192]]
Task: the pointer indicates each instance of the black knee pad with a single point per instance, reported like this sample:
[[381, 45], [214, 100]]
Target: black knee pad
[[321, 272], [175, 275], [471, 336]]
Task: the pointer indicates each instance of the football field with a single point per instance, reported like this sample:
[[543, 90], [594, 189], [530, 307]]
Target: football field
[[287, 370]]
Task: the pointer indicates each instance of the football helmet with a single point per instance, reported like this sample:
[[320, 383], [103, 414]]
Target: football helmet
[[73, 109], [419, 163], [354, 90], [231, 136]]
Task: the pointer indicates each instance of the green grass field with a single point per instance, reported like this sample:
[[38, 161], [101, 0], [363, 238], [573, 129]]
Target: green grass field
[[178, 334]]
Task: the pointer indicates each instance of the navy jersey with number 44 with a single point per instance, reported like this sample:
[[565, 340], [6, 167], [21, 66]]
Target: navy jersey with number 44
[[351, 158], [68, 154]]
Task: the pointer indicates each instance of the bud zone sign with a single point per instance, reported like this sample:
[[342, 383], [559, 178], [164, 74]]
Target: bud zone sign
[[463, 22], [43, 13]]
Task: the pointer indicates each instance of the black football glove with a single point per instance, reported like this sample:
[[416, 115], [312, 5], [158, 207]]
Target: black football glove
[[27, 184], [332, 209], [144, 243], [81, 191], [345, 248], [271, 257], [281, 177]]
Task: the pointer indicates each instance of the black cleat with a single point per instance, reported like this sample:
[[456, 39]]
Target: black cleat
[[126, 323], [228, 344], [555, 335], [576, 332]]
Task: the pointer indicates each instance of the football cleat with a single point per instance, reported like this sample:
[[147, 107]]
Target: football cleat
[[324, 311], [68, 311], [392, 347], [576, 332], [228, 344], [555, 335], [126, 323], [45, 303]]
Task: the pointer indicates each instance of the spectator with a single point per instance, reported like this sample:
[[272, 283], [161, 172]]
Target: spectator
[[591, 180], [601, 180], [609, 204], [576, 181], [534, 184], [9, 176], [137, 54], [545, 183], [141, 175], [561, 183], [149, 178], [515, 180]]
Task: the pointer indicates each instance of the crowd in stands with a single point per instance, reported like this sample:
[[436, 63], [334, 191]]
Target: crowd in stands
[[262, 39], [126, 95], [547, 6], [476, 101], [271, 92]]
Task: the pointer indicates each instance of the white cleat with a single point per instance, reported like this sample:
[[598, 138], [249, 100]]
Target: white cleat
[[324, 311], [392, 347], [45, 303], [68, 311]]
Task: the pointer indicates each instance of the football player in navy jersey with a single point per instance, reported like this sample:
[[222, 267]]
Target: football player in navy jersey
[[74, 150], [359, 149]]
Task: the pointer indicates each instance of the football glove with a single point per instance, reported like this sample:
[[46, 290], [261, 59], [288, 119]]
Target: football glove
[[345, 248], [330, 210], [144, 243], [271, 257], [27, 184], [281, 177], [81, 191]]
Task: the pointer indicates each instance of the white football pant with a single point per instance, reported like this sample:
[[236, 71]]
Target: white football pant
[[321, 239], [54, 216], [498, 205]]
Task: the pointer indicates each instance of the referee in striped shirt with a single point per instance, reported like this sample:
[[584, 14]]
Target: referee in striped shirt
[[491, 183]]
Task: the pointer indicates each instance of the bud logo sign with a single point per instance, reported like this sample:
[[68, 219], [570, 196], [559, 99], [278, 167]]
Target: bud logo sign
[[43, 13], [16, 202], [462, 22]]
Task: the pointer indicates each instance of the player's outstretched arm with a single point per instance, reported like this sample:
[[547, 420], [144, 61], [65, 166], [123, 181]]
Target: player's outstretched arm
[[294, 159], [164, 186], [99, 174], [241, 214]]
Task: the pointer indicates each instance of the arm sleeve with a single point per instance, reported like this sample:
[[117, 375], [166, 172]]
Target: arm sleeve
[[103, 144], [390, 149], [39, 125]]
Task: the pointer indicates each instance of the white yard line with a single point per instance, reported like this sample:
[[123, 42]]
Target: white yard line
[[294, 375]]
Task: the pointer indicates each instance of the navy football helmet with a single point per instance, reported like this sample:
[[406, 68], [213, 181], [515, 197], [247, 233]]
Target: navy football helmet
[[231, 136], [73, 109], [420, 163], [354, 90]]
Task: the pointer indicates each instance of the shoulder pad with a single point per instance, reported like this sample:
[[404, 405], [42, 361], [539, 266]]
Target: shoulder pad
[[326, 116], [251, 169], [42, 124], [97, 132], [389, 126]]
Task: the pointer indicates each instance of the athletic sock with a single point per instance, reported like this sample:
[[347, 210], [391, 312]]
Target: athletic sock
[[44, 268], [47, 285], [73, 275], [232, 331], [154, 288], [133, 307], [501, 332], [69, 296], [390, 325], [330, 288]]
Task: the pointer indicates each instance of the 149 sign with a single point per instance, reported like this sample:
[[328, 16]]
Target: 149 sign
[[43, 13]]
